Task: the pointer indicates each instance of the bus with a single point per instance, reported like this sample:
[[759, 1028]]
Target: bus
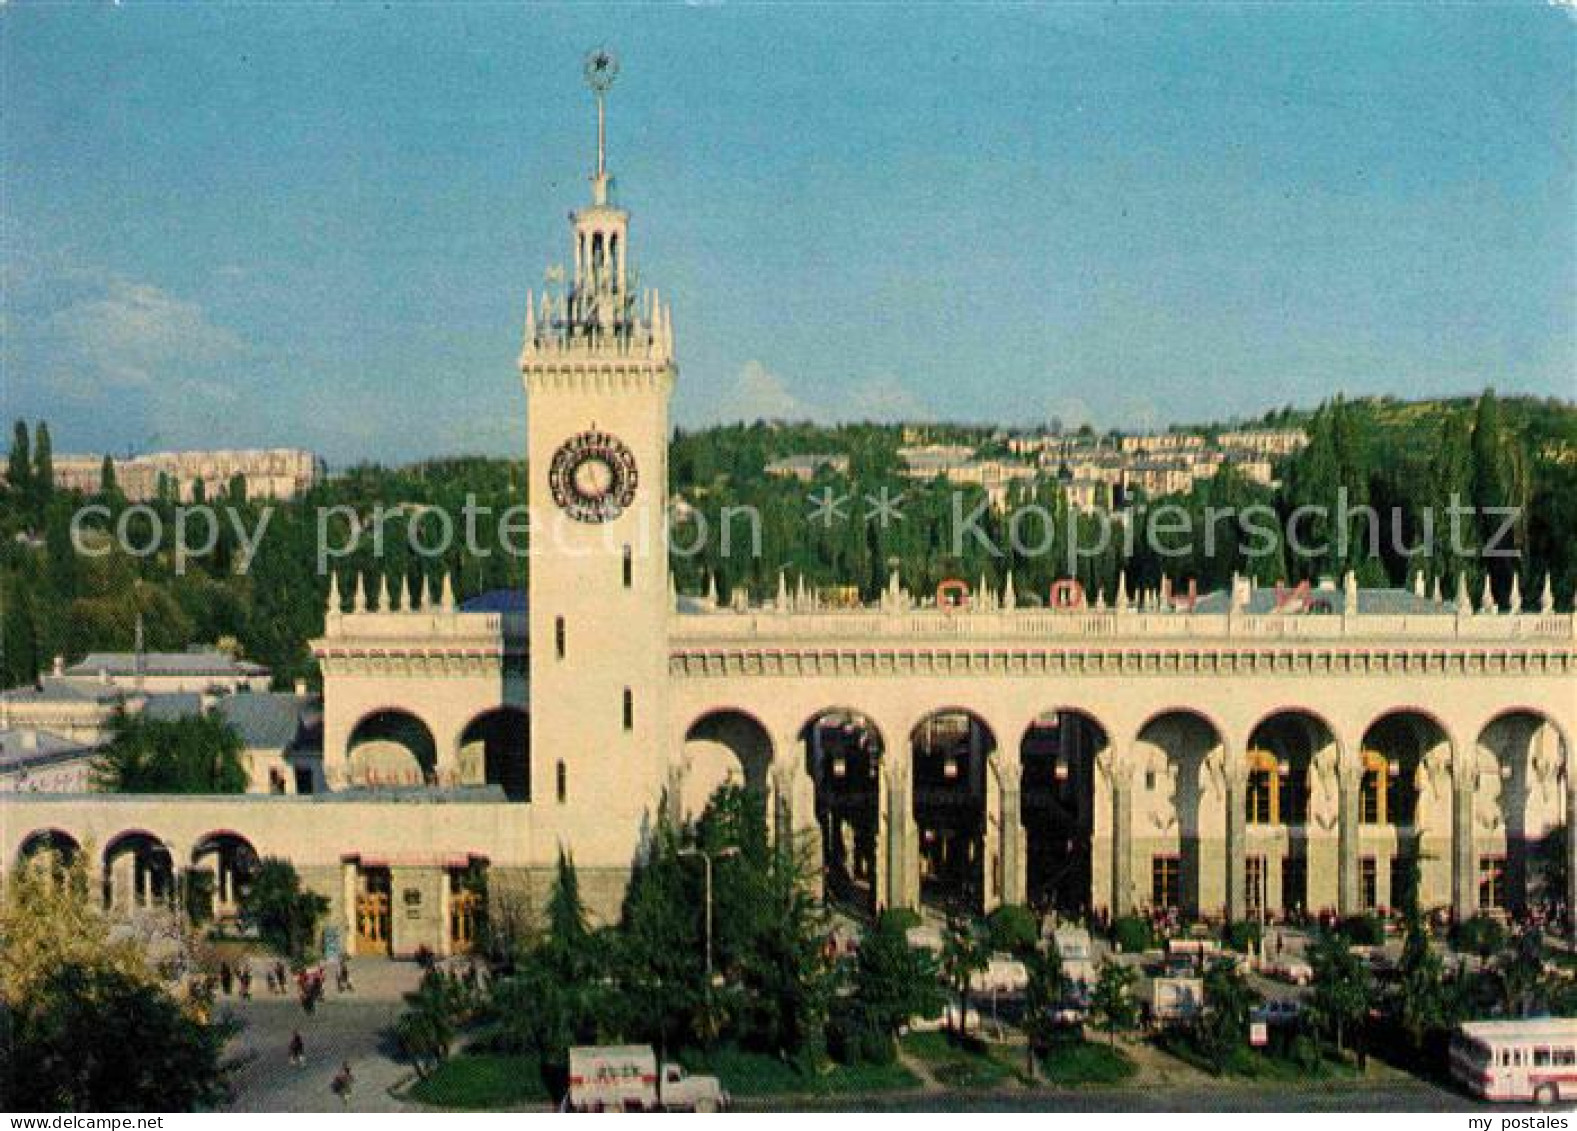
[[1517, 1060]]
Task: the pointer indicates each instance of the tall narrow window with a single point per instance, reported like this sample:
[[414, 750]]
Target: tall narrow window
[[558, 636], [629, 568], [1368, 883], [1492, 883], [1254, 885], [629, 709], [1166, 881], [562, 782]]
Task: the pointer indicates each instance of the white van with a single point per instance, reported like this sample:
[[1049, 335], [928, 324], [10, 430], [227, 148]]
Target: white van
[[1517, 1060]]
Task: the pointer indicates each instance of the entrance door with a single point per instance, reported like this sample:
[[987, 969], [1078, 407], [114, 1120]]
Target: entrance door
[[372, 911]]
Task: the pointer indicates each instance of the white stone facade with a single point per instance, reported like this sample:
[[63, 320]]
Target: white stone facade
[[1229, 762]]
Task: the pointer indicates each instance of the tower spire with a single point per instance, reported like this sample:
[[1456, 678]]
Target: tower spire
[[602, 67]]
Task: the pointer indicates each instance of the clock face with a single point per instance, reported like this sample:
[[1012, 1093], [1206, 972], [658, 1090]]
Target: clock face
[[593, 477]]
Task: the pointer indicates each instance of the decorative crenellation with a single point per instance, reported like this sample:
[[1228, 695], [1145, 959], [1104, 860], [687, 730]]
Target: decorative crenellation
[[864, 660]]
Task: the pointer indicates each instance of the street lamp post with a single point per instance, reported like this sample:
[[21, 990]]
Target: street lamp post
[[706, 859]]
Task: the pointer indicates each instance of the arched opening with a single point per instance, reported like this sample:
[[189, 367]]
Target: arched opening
[[1057, 806], [53, 849], [392, 748], [948, 751], [843, 756], [1404, 813], [1291, 812], [1179, 807], [139, 872], [495, 750], [724, 747], [227, 864], [1520, 810]]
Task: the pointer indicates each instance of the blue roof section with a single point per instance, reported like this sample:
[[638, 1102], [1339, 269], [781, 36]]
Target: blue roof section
[[265, 720], [496, 601], [1262, 601]]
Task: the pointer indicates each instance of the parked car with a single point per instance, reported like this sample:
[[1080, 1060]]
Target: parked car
[[1003, 974], [946, 1019]]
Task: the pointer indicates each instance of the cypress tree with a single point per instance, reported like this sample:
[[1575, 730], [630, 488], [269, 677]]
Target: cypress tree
[[43, 466], [19, 468]]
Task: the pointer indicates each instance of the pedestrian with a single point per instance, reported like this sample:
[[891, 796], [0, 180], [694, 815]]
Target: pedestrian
[[343, 975], [226, 978], [273, 986], [298, 1049], [344, 1081], [246, 982], [282, 975]]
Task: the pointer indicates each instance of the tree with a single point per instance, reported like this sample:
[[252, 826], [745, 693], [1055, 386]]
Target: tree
[[94, 1038], [1111, 1001], [1423, 1001], [1048, 984], [1482, 935], [963, 955], [79, 994], [189, 754], [50, 917], [1341, 987], [108, 487], [19, 465], [1222, 1027], [568, 942], [43, 482], [1013, 930], [893, 982], [284, 913], [426, 1029]]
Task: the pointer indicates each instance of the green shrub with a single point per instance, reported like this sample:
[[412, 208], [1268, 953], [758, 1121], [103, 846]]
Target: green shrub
[[1480, 935], [1242, 936], [1014, 929], [903, 918], [1132, 935], [1362, 930]]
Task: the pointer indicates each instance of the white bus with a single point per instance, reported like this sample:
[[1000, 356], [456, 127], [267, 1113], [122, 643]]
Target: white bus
[[1517, 1060]]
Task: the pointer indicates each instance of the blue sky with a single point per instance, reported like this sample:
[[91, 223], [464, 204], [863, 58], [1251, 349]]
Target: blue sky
[[300, 224]]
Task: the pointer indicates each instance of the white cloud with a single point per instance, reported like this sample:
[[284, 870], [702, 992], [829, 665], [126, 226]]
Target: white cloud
[[131, 334], [883, 400], [761, 395]]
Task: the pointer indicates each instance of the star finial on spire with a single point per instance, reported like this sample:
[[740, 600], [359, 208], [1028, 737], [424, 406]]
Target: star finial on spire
[[601, 68]]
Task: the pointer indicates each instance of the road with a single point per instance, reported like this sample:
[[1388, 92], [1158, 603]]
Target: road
[[345, 1027], [1390, 1095]]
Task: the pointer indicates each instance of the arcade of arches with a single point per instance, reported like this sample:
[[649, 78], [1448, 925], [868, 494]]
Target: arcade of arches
[[394, 748], [1290, 821]]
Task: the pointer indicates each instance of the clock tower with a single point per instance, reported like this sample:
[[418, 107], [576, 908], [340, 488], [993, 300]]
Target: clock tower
[[599, 369]]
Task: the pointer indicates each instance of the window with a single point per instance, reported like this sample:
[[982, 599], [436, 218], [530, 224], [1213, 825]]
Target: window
[[558, 636], [1566, 1058], [1372, 789], [1264, 788], [629, 568], [1541, 1058], [562, 781], [303, 779], [1492, 883], [1294, 882], [1368, 883], [1254, 883], [629, 709], [1166, 881]]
